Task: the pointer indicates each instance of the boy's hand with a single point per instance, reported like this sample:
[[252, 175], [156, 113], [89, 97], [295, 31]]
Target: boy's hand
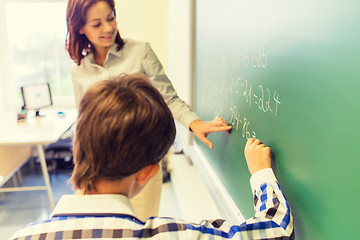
[[257, 155]]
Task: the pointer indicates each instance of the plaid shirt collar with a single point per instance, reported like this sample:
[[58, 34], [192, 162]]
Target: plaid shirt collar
[[97, 204]]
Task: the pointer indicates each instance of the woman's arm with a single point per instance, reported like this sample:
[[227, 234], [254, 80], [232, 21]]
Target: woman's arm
[[181, 111]]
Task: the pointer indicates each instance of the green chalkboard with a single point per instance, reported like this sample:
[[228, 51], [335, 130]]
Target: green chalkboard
[[287, 72]]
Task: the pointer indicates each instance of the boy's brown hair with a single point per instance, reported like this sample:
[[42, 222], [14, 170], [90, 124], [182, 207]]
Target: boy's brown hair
[[123, 125]]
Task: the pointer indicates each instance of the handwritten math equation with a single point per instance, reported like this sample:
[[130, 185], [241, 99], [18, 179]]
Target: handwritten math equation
[[241, 123], [265, 99], [252, 58], [239, 89]]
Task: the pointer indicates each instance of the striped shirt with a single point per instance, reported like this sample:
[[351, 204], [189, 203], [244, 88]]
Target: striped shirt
[[112, 217]]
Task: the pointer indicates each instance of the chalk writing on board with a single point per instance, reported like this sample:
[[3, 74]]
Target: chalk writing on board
[[258, 57], [241, 90], [240, 122], [254, 57], [265, 99]]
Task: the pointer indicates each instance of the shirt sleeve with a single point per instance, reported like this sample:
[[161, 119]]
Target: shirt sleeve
[[269, 201], [272, 220], [181, 111], [78, 91]]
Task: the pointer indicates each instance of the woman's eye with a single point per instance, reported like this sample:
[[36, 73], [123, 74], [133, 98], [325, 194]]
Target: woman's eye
[[97, 25], [111, 19]]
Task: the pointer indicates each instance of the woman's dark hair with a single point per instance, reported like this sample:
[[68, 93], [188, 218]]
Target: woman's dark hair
[[78, 45], [123, 125]]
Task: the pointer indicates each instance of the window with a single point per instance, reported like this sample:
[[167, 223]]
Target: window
[[36, 33]]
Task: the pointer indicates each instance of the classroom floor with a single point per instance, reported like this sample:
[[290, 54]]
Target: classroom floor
[[20, 208]]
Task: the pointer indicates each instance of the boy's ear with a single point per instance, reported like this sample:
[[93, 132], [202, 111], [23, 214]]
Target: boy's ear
[[147, 173]]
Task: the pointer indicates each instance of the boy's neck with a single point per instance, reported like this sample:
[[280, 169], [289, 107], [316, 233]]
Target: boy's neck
[[128, 186], [123, 187]]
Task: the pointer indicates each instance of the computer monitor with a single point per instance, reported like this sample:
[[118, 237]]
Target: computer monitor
[[36, 96]]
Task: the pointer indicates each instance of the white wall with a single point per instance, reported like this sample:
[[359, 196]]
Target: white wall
[[180, 44], [144, 20]]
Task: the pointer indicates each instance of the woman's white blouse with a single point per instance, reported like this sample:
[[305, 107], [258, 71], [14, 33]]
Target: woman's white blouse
[[134, 57]]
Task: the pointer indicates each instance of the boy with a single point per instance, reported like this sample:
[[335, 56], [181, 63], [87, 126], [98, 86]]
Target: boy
[[124, 129]]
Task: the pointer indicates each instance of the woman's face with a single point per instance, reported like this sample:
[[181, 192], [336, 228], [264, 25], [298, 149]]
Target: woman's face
[[100, 27]]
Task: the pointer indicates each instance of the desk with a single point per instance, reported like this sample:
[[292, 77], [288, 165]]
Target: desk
[[30, 132]]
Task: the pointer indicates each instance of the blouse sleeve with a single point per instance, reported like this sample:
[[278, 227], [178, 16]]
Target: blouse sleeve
[[78, 91], [181, 111]]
